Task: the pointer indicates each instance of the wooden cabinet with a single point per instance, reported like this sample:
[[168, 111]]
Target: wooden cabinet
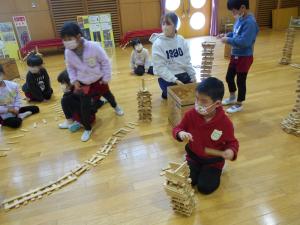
[[139, 14]]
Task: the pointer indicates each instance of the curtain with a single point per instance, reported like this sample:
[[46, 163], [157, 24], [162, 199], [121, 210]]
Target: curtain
[[214, 18]]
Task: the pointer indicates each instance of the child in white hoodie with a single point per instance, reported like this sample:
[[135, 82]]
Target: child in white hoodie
[[140, 59], [171, 56]]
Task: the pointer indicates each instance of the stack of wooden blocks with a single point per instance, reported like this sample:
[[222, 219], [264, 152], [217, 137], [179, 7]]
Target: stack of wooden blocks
[[207, 58], [178, 187], [291, 124], [144, 104], [288, 47]]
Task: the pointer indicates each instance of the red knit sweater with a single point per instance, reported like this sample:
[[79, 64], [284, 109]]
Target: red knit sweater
[[218, 133]]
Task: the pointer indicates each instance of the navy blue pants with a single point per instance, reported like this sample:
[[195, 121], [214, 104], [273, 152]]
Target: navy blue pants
[[183, 77]]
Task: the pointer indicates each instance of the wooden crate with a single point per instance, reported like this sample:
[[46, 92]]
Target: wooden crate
[[10, 68], [181, 98]]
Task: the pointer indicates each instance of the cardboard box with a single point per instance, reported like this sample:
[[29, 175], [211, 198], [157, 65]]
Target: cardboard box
[[181, 98], [10, 68]]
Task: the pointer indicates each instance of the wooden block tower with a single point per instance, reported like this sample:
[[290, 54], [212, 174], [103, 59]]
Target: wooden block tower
[[207, 58], [288, 47], [178, 187], [144, 104], [291, 124]]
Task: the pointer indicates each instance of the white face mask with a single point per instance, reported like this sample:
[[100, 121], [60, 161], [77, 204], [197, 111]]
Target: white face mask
[[202, 110], [167, 30], [71, 44], [139, 47], [64, 88], [34, 69]]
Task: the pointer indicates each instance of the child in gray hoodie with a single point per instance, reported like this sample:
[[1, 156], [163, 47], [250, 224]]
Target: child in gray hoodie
[[171, 56]]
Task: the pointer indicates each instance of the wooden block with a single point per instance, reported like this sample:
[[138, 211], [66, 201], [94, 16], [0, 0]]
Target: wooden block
[[12, 142], [44, 121], [34, 125], [3, 154], [133, 123], [4, 149], [24, 130], [214, 152], [17, 136]]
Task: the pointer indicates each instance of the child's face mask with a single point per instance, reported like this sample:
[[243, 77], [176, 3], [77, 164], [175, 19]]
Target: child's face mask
[[138, 47], [34, 69], [72, 44], [204, 110], [168, 29]]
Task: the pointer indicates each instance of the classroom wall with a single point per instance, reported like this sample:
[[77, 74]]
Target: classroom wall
[[139, 14], [38, 19]]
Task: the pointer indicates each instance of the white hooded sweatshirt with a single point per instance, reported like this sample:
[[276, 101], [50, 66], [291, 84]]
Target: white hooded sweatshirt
[[171, 56]]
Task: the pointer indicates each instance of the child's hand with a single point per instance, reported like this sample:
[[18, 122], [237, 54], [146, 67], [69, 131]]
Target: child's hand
[[185, 136], [179, 82], [132, 72], [13, 111], [77, 86], [224, 40], [221, 36], [228, 154]]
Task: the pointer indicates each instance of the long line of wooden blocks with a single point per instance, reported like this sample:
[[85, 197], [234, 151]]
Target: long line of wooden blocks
[[71, 176]]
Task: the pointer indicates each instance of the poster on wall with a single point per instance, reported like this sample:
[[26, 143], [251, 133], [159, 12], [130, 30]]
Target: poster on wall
[[97, 28], [22, 30], [8, 43]]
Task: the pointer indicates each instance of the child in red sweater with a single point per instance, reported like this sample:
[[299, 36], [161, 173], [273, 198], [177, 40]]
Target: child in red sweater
[[207, 129]]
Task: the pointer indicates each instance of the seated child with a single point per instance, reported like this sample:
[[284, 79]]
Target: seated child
[[140, 59], [37, 87], [71, 104], [11, 112], [207, 129]]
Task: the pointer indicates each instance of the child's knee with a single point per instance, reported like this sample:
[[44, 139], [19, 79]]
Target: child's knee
[[206, 188]]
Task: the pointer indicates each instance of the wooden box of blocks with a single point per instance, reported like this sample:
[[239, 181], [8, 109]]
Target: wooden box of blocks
[[181, 98], [10, 68]]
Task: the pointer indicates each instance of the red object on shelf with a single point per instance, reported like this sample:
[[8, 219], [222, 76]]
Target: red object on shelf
[[40, 44], [136, 34]]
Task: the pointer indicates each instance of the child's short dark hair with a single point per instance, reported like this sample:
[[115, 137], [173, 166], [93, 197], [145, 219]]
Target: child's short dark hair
[[63, 78], [1, 69], [236, 4], [70, 29], [34, 60], [135, 42], [212, 87], [171, 16]]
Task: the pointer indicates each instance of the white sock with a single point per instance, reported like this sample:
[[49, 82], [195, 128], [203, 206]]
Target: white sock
[[24, 115]]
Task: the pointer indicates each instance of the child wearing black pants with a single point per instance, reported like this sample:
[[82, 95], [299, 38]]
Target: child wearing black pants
[[210, 136], [11, 111], [37, 87], [242, 40]]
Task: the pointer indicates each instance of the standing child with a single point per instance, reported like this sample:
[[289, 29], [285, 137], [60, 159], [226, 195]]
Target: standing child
[[171, 56], [207, 129], [242, 40], [37, 86], [140, 59], [89, 69], [11, 111]]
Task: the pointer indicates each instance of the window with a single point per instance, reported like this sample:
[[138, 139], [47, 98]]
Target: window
[[172, 5], [197, 4], [197, 21]]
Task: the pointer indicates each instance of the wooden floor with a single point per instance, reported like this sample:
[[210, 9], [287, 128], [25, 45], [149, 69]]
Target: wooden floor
[[261, 187]]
